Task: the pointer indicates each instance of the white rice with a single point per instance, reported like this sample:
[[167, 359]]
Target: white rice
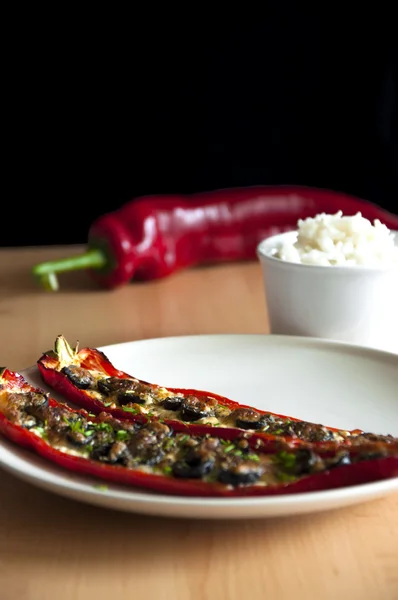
[[329, 240]]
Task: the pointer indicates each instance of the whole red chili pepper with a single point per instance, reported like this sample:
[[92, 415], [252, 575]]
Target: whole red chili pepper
[[154, 236], [31, 419], [80, 376]]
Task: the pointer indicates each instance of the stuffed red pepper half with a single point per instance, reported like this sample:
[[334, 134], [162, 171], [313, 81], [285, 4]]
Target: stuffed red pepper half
[[153, 456], [87, 378]]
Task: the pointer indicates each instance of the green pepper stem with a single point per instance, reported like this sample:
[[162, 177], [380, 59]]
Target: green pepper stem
[[46, 272]]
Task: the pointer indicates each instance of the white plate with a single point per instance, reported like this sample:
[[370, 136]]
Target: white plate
[[327, 382]]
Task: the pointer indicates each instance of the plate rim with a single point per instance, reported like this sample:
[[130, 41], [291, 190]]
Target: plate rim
[[296, 339]]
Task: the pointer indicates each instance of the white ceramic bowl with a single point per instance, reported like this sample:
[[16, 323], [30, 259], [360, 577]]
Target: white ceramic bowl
[[353, 304]]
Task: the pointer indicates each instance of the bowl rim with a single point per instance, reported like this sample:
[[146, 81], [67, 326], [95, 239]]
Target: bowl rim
[[264, 255]]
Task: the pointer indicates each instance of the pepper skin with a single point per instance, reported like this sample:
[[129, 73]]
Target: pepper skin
[[373, 462], [154, 236]]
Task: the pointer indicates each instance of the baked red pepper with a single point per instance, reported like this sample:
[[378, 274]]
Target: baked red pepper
[[87, 378], [152, 456], [154, 236]]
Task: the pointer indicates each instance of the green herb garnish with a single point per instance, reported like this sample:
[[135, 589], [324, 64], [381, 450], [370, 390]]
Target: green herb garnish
[[169, 443], [104, 427], [41, 432], [229, 448], [89, 448], [167, 470], [287, 459], [122, 435], [76, 425], [254, 457], [38, 429], [133, 411]]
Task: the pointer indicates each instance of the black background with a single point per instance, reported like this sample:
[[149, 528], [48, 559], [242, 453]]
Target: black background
[[97, 117]]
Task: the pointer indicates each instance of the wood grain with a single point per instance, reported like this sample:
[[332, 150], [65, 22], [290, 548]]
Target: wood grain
[[51, 547]]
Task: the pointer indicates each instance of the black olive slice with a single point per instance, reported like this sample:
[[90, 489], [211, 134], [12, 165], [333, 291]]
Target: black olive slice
[[340, 460], [193, 470], [302, 462], [78, 438], [81, 378], [126, 390], [101, 452], [248, 418], [309, 431], [193, 408], [243, 473], [172, 403], [145, 445]]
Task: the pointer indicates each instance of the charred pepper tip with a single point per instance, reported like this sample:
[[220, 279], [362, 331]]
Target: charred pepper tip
[[46, 272]]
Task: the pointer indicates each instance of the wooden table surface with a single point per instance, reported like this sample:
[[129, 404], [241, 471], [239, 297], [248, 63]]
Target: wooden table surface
[[54, 548]]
